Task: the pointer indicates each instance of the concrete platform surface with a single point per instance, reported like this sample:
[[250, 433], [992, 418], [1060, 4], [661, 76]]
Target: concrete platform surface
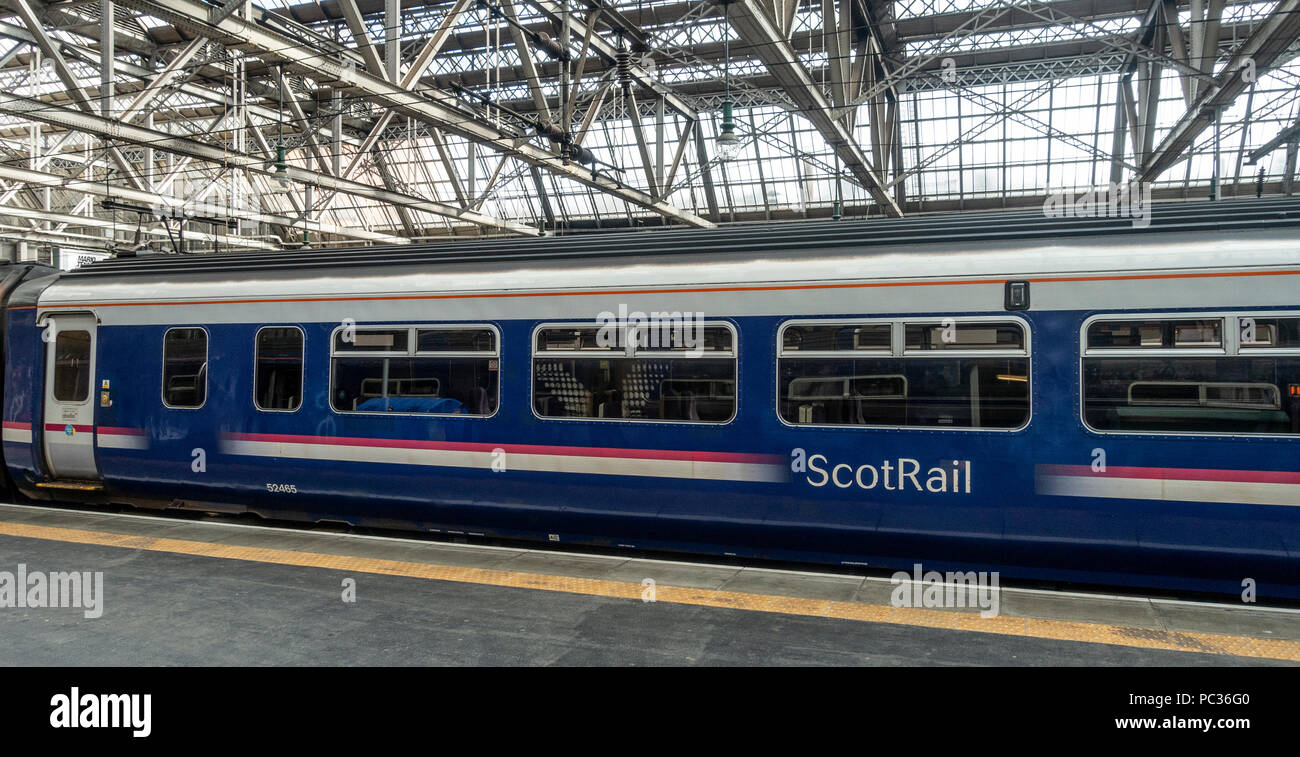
[[214, 592]]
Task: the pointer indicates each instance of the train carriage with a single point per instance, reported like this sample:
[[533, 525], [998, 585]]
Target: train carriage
[[1081, 400]]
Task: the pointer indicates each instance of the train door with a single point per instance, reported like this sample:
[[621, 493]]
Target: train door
[[69, 427]]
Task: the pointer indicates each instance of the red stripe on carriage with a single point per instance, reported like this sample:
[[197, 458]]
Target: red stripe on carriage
[[521, 449], [118, 431], [64, 426]]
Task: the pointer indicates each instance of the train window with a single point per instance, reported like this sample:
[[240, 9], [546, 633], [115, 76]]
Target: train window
[[352, 339], [277, 380], [574, 340], [432, 371], [455, 340], [670, 339], [72, 366], [953, 335], [1211, 395], [1156, 334], [870, 337], [681, 372], [1270, 333], [838, 386], [1253, 387], [185, 367]]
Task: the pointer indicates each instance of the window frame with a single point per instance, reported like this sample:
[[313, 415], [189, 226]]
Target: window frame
[[1231, 349], [1263, 351], [412, 352], [898, 351], [207, 361], [90, 379], [302, 375], [733, 354], [1225, 349]]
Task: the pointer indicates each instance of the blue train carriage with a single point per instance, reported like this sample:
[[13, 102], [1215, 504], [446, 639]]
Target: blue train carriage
[[1075, 400]]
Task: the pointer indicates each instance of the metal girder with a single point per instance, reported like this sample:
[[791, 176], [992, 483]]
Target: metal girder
[[130, 69], [977, 22], [386, 174], [312, 144], [593, 110], [35, 109], [54, 239], [678, 153], [638, 130], [702, 157], [449, 166], [1117, 136], [164, 78], [991, 119], [878, 50], [1136, 114], [1288, 176], [51, 51], [1177, 46], [570, 96], [421, 64], [1055, 14], [836, 32], [1257, 54], [67, 219], [1286, 136], [429, 105], [229, 8], [361, 37], [392, 37], [542, 195], [525, 52], [751, 21], [555, 12], [98, 189], [107, 56], [1000, 14], [1208, 54], [1042, 127], [418, 68]]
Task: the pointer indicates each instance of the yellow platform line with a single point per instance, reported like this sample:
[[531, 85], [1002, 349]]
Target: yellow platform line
[[1059, 630]]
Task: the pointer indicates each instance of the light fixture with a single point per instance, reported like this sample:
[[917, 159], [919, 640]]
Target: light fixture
[[728, 144], [281, 168]]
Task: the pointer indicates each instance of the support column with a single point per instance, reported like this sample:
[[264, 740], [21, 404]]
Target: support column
[[106, 57], [1288, 178], [393, 38]]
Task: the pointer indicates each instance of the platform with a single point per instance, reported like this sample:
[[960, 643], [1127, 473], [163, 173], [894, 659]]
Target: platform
[[214, 592]]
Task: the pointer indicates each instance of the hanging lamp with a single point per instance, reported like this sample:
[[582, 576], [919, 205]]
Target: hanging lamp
[[728, 143]]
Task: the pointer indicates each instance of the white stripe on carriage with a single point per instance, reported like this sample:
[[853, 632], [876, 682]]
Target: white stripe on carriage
[[1168, 489], [515, 461], [18, 435], [122, 441]]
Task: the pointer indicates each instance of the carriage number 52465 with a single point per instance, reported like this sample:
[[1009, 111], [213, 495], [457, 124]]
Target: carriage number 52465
[[282, 488]]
